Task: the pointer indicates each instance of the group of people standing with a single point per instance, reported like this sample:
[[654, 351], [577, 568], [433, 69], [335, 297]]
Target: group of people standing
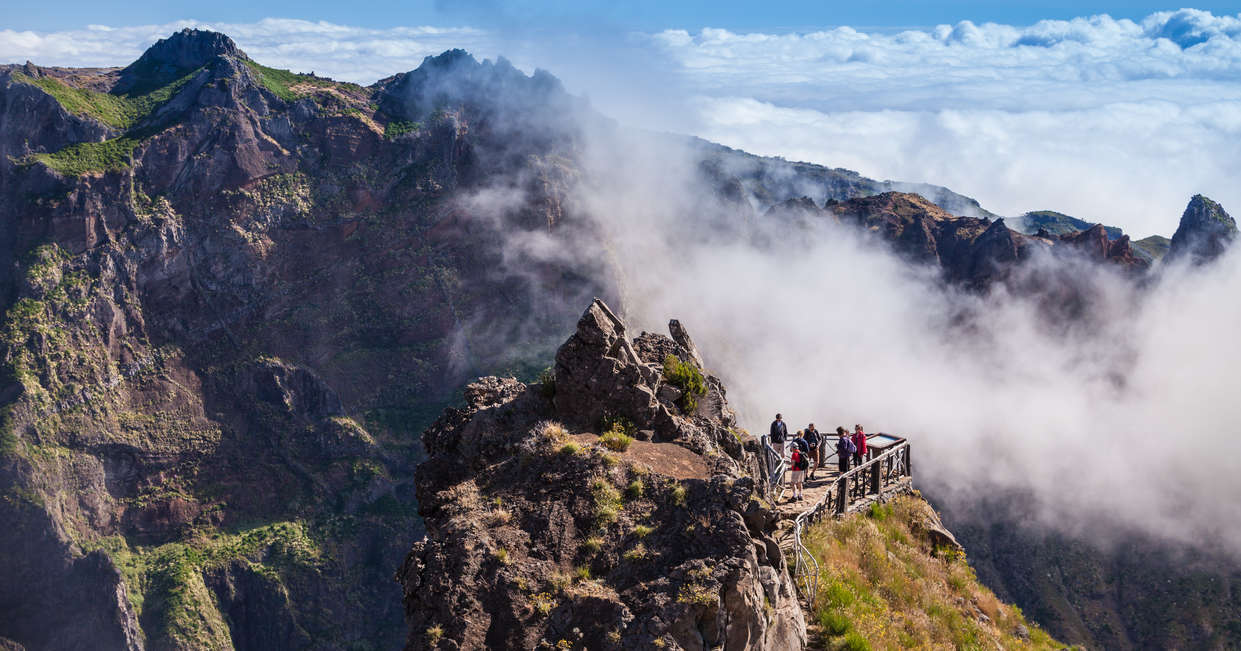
[[803, 451]]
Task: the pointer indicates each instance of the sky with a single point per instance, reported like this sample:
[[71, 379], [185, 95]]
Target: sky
[[1112, 113]]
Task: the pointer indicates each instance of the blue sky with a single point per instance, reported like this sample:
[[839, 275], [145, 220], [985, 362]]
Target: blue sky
[[648, 15]]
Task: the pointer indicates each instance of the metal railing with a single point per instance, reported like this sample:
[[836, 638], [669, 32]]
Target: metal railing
[[773, 466], [869, 478]]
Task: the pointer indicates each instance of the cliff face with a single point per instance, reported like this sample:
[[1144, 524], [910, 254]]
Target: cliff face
[[232, 300], [1132, 593], [542, 533]]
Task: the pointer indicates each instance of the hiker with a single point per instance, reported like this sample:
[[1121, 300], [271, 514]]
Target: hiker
[[799, 460], [844, 449], [859, 442], [779, 432], [815, 441]]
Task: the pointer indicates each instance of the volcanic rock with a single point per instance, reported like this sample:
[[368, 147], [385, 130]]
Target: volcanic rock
[[536, 534], [1204, 233]]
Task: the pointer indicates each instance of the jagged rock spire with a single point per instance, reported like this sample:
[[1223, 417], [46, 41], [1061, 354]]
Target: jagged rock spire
[[1204, 233]]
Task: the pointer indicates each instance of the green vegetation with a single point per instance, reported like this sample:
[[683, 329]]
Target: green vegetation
[[581, 573], [166, 581], [1155, 246], [435, 634], [546, 380], [543, 603], [608, 502], [881, 586], [688, 378], [123, 111], [678, 495], [592, 545], [642, 531], [616, 440], [84, 157], [636, 553], [8, 437], [398, 128], [119, 111], [570, 448], [635, 489], [281, 82], [501, 555], [613, 423], [697, 594], [552, 431]]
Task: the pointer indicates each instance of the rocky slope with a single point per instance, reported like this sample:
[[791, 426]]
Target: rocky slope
[[543, 532], [232, 301], [1134, 592]]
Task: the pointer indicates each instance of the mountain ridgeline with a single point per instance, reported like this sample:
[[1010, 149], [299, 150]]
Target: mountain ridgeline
[[234, 297]]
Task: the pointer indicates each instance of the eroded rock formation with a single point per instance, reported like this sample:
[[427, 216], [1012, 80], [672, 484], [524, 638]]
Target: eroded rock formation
[[539, 536]]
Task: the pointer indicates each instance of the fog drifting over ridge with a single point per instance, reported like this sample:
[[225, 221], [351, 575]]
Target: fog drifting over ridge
[[1123, 422], [1109, 120]]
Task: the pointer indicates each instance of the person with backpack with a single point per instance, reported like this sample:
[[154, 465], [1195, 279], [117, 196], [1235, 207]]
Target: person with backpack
[[815, 441], [845, 449], [799, 460], [859, 442], [779, 432]]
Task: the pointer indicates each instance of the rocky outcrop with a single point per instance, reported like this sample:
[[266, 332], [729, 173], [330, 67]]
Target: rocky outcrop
[[1098, 244], [539, 537], [1204, 233]]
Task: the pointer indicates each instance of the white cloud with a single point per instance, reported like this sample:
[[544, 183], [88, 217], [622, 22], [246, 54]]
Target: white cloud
[[1109, 120]]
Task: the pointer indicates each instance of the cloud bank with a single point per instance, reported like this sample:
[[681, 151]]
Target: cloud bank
[[1125, 421], [1109, 120]]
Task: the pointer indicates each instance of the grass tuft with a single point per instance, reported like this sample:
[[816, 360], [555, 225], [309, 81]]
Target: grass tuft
[[616, 441]]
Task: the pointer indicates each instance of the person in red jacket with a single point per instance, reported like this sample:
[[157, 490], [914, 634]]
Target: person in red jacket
[[859, 440]]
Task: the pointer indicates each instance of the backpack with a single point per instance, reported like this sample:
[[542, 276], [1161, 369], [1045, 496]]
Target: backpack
[[845, 447], [799, 459]]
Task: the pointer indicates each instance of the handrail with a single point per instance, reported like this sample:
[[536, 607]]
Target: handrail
[[898, 465], [773, 465]]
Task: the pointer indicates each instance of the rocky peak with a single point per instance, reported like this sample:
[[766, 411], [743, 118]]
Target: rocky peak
[[456, 80], [542, 535], [1205, 231], [1097, 243], [171, 58]]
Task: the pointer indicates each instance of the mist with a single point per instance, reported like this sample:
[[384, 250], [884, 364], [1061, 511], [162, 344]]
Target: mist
[[1123, 420]]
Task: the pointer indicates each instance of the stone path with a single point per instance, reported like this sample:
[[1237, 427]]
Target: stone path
[[813, 492]]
